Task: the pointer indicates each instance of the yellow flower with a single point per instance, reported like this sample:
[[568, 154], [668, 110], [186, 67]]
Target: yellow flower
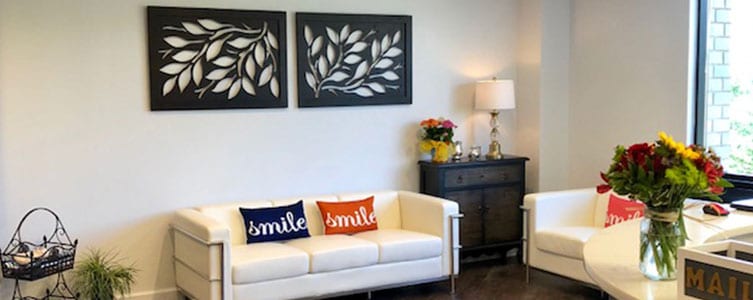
[[680, 149]]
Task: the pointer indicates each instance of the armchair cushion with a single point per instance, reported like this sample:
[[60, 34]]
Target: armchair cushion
[[401, 245], [337, 252], [565, 241], [266, 261]]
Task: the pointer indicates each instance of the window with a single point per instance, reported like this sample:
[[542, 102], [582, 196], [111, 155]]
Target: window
[[724, 106]]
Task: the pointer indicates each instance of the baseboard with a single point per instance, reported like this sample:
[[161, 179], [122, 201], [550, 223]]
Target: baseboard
[[166, 294]]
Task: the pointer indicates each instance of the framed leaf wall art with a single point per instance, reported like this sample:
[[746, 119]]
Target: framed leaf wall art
[[346, 59], [216, 58]]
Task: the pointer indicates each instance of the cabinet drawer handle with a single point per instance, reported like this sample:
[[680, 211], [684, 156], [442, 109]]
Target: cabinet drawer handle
[[459, 180]]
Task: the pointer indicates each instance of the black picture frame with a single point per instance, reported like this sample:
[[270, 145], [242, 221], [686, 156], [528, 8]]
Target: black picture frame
[[372, 66], [203, 58]]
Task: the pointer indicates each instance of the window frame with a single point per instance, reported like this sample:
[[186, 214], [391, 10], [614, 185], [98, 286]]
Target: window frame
[[743, 184]]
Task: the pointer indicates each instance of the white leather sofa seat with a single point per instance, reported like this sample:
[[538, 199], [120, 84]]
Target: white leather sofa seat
[[417, 242], [336, 252], [566, 241], [401, 245], [267, 261]]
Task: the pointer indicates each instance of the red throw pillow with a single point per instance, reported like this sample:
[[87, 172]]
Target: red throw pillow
[[621, 209], [348, 216]]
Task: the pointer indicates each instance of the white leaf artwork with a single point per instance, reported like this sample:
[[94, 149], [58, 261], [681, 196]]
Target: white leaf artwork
[[185, 56], [194, 29], [248, 86], [172, 69], [383, 63], [352, 59], [198, 73], [338, 76], [210, 24], [331, 54], [224, 61], [234, 89], [272, 40], [333, 36], [316, 45], [274, 87], [361, 70], [240, 42], [345, 32], [265, 75], [307, 35], [184, 79], [259, 55], [250, 67], [214, 49], [223, 85], [206, 57], [168, 86], [358, 47], [354, 36], [310, 80], [175, 41], [218, 74], [393, 52], [377, 87], [364, 92]]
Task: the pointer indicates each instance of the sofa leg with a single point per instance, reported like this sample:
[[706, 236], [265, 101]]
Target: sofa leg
[[452, 284], [368, 295]]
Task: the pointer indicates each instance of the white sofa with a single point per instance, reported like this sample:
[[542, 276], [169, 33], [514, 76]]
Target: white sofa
[[557, 226], [417, 241]]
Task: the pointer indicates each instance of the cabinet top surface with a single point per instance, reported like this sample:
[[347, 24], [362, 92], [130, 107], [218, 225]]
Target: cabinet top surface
[[508, 159]]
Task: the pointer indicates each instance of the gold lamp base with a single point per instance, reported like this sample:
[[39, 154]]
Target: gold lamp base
[[495, 151]]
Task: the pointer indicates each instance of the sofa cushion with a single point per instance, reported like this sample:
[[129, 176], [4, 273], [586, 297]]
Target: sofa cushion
[[336, 252], [348, 216], [622, 209], [565, 241], [275, 223], [267, 261], [402, 245]]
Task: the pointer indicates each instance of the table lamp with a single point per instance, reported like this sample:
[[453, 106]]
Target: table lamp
[[495, 95]]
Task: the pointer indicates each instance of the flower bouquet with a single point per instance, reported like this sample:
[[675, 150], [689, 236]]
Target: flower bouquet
[[436, 138], [662, 175]]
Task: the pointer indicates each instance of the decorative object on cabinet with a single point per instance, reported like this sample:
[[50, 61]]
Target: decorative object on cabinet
[[436, 138], [100, 276], [495, 95], [216, 58], [489, 193], [29, 261], [346, 60], [458, 155]]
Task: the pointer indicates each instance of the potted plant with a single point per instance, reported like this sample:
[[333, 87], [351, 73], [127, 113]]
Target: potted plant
[[99, 276]]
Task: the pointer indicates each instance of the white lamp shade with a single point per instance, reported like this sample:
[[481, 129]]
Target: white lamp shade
[[495, 95]]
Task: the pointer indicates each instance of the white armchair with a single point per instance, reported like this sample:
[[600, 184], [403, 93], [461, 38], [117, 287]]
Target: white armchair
[[557, 226]]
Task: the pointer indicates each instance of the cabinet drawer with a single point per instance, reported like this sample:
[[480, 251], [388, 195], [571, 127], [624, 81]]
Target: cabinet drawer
[[482, 176]]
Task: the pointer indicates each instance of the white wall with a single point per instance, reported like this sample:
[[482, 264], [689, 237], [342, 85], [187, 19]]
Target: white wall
[[629, 78], [76, 134]]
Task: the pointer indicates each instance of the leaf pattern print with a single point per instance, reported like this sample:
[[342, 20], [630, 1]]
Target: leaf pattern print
[[208, 56], [347, 60]]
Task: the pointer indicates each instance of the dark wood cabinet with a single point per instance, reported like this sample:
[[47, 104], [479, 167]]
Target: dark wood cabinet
[[489, 194]]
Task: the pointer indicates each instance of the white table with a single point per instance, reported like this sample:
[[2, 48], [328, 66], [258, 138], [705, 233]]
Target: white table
[[611, 256]]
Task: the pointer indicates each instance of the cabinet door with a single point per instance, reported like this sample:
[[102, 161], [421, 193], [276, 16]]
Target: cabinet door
[[503, 217], [471, 226]]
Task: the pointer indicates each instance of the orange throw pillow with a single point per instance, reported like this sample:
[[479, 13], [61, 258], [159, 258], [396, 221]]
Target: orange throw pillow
[[621, 209], [348, 216]]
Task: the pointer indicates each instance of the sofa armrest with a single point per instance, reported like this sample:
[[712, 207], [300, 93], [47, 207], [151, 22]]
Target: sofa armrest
[[435, 216], [201, 248], [560, 208]]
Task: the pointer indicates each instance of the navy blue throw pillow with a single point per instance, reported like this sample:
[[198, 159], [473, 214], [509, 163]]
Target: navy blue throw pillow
[[275, 223]]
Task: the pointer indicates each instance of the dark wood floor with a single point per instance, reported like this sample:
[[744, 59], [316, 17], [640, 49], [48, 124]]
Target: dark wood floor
[[492, 280]]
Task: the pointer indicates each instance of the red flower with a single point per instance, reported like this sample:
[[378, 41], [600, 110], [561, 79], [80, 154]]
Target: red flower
[[603, 188], [639, 153]]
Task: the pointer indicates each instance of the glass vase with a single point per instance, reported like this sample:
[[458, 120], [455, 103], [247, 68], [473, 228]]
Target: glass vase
[[662, 232]]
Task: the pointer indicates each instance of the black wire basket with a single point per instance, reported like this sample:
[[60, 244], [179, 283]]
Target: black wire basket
[[25, 260]]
